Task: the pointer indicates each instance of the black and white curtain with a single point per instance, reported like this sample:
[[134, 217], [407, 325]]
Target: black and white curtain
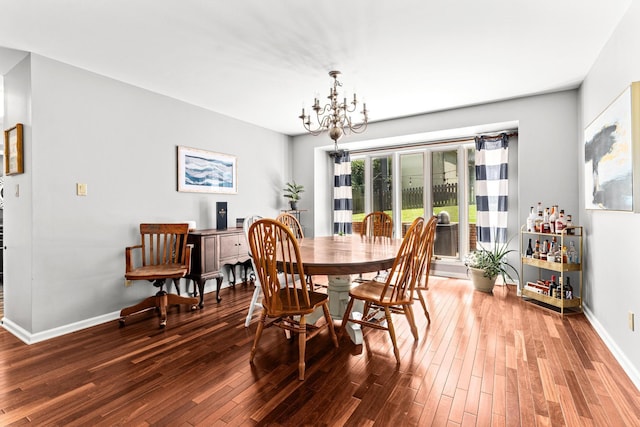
[[342, 198], [492, 185]]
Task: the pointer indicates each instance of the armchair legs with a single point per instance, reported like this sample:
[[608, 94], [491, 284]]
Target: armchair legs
[[159, 301]]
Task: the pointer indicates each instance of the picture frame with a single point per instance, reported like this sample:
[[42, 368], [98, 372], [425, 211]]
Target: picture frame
[[13, 150], [612, 155], [202, 171]]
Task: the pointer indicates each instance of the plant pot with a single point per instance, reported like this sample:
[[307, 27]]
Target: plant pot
[[481, 283], [294, 205]]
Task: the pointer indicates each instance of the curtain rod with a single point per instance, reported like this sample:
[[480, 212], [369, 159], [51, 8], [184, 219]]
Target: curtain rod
[[470, 138]]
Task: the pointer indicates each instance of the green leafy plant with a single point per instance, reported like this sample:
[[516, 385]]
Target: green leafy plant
[[292, 191], [492, 261]]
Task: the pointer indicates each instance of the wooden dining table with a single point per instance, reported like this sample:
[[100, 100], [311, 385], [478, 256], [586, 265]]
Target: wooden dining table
[[340, 257]]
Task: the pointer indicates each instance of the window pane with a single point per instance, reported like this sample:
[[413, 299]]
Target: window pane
[[357, 190], [382, 184], [444, 181], [471, 173], [412, 168]]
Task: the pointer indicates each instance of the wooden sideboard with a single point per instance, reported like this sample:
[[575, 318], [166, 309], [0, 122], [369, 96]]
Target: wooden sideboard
[[213, 250]]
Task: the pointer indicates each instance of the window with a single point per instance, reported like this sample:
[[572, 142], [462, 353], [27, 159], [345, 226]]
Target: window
[[430, 180]]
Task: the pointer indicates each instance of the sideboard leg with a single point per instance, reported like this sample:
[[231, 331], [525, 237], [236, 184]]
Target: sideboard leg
[[218, 285], [200, 283]]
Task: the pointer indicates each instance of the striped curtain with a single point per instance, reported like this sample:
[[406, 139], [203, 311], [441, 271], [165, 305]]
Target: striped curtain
[[492, 186], [342, 199]]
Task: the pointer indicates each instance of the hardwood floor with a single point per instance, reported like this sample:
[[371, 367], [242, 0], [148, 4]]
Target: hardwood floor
[[484, 360]]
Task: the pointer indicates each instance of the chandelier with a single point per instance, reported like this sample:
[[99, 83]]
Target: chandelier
[[334, 116]]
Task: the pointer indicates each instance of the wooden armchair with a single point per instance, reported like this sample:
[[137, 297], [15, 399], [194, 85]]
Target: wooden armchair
[[377, 224], [395, 295], [286, 299], [164, 254]]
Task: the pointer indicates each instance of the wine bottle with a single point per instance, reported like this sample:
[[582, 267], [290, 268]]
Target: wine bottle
[[529, 253]]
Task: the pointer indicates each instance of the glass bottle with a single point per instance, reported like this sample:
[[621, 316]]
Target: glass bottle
[[537, 224], [553, 287], [536, 252], [529, 253], [530, 219], [568, 289], [543, 250], [545, 222], [560, 222], [569, 224], [572, 254], [552, 219]]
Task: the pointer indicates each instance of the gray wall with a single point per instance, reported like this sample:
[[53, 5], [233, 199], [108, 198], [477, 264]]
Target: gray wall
[[546, 167], [612, 251], [64, 264]]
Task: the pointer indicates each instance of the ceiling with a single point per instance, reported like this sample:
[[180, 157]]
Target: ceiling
[[261, 61]]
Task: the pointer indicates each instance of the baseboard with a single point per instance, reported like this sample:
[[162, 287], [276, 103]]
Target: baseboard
[[622, 359], [30, 338]]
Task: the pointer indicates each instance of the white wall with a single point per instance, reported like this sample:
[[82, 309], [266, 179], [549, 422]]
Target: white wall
[[612, 252], [65, 259], [17, 257]]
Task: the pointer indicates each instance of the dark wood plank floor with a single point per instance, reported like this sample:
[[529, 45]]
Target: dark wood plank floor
[[484, 360]]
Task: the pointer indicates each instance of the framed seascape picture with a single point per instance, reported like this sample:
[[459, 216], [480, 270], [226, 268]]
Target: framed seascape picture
[[611, 150], [202, 171], [13, 161]]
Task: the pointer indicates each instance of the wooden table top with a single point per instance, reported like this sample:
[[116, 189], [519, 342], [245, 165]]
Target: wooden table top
[[337, 255]]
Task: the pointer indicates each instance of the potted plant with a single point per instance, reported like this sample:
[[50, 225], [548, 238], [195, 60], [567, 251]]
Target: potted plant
[[485, 265], [292, 192]]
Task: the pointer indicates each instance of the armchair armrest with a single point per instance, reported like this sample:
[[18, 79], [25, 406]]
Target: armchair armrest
[[129, 258]]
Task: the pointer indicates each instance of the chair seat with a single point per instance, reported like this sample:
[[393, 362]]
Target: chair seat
[[371, 291], [153, 272], [316, 299]]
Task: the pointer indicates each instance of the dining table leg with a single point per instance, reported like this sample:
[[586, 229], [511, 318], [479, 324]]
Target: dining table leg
[[338, 291], [338, 288]]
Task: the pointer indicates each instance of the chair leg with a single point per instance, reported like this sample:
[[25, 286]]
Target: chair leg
[[392, 334], [424, 304], [162, 304], [345, 318], [408, 311], [254, 302], [302, 345], [263, 318], [146, 304], [329, 320]]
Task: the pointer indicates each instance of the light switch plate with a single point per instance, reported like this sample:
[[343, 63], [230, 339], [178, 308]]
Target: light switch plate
[[81, 189]]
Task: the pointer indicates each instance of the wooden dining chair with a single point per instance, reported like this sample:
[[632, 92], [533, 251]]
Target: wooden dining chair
[[395, 295], [286, 299], [292, 222], [257, 292], [424, 258], [162, 254], [377, 224]]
